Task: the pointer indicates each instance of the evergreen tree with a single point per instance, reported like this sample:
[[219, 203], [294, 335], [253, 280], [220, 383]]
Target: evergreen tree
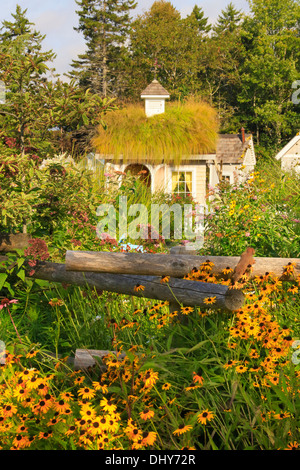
[[34, 104], [105, 26], [228, 20], [23, 70], [199, 21], [271, 66], [221, 57]]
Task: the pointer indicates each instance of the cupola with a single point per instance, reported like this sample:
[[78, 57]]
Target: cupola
[[154, 96]]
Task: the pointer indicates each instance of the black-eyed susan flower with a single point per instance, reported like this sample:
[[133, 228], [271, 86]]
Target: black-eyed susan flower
[[240, 369], [289, 268], [292, 446], [210, 300], [198, 378], [21, 441], [133, 433], [78, 380], [61, 405], [20, 393], [9, 410], [282, 415], [147, 413], [149, 437], [86, 393], [229, 364], [227, 270], [102, 387], [166, 386], [205, 416], [150, 378], [108, 405], [45, 434], [67, 396], [182, 428], [186, 310], [192, 386], [32, 353], [165, 279], [71, 430], [138, 287]]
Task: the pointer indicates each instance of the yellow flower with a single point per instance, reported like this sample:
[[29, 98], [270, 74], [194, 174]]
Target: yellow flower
[[147, 414], [150, 378], [138, 287], [108, 405], [86, 393], [205, 416], [186, 310], [166, 386], [182, 428], [210, 300]]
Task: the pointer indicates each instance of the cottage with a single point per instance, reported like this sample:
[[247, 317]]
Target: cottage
[[227, 157], [289, 156]]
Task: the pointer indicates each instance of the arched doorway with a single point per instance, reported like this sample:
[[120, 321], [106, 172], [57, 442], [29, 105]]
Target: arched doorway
[[138, 169]]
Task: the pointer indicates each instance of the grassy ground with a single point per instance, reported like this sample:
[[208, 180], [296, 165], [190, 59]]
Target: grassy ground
[[218, 380]]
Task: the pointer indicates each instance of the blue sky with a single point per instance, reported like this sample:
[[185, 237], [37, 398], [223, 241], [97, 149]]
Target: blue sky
[[56, 19]]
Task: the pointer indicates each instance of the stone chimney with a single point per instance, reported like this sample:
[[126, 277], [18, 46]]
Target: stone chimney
[[154, 96]]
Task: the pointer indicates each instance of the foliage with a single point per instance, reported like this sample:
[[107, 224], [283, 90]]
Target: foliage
[[260, 213], [183, 129], [23, 68], [271, 38], [40, 115], [204, 379], [216, 381], [164, 43], [105, 27]]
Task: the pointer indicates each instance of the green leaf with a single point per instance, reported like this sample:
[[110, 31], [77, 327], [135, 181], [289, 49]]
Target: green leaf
[[21, 274], [3, 277]]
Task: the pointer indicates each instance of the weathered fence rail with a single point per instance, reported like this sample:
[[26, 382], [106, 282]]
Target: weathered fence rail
[[176, 291], [174, 265]]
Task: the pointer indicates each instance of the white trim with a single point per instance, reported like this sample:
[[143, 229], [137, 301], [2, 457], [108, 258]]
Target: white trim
[[155, 96], [287, 147]]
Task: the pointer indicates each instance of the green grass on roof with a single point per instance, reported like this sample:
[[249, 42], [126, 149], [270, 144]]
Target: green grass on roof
[[188, 128]]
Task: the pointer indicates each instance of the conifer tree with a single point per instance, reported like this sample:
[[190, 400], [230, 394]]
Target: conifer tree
[[23, 70], [229, 19], [270, 67], [105, 26]]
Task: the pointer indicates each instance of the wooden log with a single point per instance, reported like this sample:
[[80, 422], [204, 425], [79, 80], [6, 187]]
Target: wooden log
[[179, 291], [158, 264], [84, 358], [13, 241]]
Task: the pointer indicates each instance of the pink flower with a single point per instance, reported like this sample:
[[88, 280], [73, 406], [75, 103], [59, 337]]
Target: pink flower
[[247, 234], [5, 302]]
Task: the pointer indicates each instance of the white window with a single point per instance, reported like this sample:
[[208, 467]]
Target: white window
[[182, 183]]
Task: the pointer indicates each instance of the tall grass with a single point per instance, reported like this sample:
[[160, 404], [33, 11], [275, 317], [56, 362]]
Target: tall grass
[[185, 128]]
